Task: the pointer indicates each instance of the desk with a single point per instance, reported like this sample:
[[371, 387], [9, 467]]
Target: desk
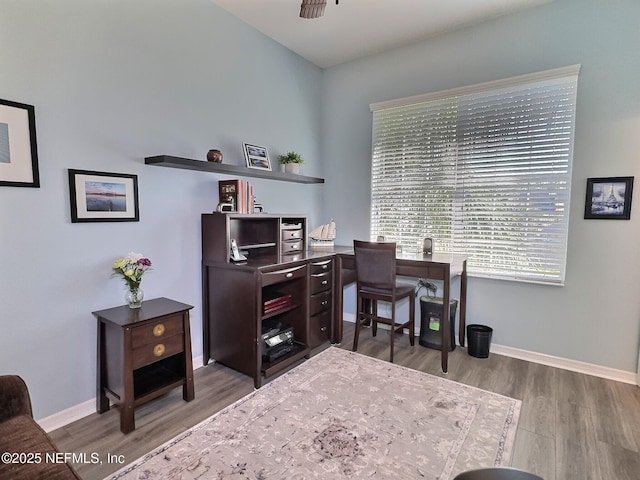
[[436, 267]]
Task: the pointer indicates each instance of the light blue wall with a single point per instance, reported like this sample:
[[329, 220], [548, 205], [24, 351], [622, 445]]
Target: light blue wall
[[595, 318], [114, 82]]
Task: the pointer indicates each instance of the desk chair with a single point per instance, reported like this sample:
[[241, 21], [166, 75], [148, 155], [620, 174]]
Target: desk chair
[[497, 473], [376, 281]]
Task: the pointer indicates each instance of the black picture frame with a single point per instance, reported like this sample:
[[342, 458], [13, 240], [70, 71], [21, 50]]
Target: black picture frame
[[103, 196], [18, 145], [256, 156], [608, 198]]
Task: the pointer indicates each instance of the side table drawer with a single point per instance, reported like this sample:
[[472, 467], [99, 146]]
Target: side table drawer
[[153, 352], [157, 331]]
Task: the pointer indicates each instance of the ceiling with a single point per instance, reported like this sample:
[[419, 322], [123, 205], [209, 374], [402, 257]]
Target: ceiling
[[356, 28]]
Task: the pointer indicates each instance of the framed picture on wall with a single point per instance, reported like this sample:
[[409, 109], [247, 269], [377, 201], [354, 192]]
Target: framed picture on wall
[[608, 198], [256, 157], [18, 146], [103, 197]]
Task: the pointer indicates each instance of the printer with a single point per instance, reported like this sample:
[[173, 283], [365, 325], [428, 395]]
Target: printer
[[277, 339]]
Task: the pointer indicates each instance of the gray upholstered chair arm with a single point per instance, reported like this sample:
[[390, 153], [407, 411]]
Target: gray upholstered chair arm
[[14, 397]]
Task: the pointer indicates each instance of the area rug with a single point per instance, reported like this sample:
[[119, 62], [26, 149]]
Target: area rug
[[343, 415]]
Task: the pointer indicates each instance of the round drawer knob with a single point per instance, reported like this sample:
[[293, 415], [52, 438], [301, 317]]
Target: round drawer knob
[[158, 350], [158, 330]]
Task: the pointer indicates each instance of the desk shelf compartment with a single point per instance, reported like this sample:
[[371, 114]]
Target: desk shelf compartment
[[262, 236], [288, 285], [298, 352]]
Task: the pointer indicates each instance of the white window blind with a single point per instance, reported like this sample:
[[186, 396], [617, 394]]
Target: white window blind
[[483, 170]]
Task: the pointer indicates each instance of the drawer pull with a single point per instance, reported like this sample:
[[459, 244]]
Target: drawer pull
[[324, 282], [323, 329], [159, 349], [325, 266], [158, 330], [324, 302], [289, 275]]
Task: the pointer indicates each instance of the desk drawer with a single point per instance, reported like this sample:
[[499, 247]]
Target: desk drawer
[[292, 246], [153, 352], [291, 234], [319, 329], [319, 303], [156, 331], [321, 266], [320, 282], [284, 275]]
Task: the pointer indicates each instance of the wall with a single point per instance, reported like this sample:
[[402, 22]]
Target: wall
[[114, 82], [595, 317]]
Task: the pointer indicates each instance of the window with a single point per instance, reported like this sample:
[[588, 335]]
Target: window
[[483, 170]]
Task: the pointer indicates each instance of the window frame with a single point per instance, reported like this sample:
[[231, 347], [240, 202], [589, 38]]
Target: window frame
[[451, 238]]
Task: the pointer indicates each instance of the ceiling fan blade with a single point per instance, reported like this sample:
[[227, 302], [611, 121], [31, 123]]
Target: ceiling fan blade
[[312, 8]]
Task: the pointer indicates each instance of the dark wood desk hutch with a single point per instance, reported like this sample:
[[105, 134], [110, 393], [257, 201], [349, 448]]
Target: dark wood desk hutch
[[281, 281]]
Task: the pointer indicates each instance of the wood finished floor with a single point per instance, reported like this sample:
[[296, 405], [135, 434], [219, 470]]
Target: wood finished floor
[[572, 426]]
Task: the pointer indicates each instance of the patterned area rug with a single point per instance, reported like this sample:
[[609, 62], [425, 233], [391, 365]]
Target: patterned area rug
[[343, 415]]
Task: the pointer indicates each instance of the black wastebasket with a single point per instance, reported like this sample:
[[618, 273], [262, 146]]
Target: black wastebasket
[[479, 338]]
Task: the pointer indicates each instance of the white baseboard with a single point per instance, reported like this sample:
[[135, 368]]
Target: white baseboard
[[558, 362], [567, 364], [71, 414]]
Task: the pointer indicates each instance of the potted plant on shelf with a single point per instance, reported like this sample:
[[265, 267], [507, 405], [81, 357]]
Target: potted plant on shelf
[[291, 161]]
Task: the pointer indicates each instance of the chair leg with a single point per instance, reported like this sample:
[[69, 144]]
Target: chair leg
[[356, 334], [374, 311], [392, 334], [412, 321]]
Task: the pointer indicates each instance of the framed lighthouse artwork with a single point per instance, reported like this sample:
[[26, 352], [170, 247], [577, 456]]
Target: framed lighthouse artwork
[[608, 198]]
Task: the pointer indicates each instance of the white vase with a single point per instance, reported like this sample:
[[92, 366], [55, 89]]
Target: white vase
[[292, 168]]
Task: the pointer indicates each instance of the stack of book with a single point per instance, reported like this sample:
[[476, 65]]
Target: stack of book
[[277, 303], [239, 192]]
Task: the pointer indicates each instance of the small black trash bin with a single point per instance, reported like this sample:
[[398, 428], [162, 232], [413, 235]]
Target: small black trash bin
[[479, 338]]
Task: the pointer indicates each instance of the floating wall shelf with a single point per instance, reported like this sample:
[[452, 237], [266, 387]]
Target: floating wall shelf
[[212, 167]]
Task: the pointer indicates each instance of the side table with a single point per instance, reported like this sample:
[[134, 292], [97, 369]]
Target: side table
[[142, 354]]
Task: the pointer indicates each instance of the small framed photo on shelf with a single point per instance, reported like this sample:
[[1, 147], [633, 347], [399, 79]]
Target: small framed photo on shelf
[[18, 147], [256, 157], [103, 197], [608, 198]]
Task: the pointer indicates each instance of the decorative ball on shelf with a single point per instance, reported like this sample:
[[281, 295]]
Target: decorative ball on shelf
[[214, 155]]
